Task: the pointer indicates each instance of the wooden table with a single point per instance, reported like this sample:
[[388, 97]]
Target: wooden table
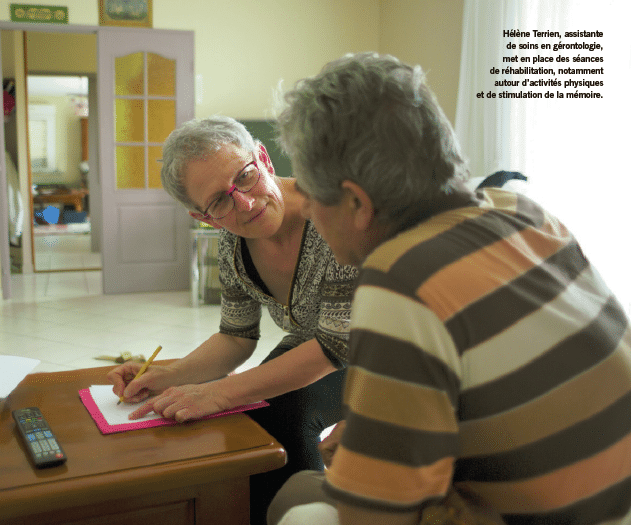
[[194, 473], [70, 196]]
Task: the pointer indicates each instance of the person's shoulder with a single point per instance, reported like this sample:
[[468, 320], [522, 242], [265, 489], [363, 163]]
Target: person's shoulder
[[390, 251], [320, 249], [226, 237], [227, 243]]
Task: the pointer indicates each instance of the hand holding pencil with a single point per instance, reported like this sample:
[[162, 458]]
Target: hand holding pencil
[[142, 370]]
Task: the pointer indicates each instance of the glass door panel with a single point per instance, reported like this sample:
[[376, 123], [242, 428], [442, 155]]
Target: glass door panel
[[130, 120], [145, 114], [130, 163], [161, 75], [162, 119], [130, 75]]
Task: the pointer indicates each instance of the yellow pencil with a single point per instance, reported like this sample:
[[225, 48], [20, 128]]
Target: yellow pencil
[[142, 370]]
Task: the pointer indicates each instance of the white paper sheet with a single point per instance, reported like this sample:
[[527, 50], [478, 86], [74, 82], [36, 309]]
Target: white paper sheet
[[12, 370], [113, 413]]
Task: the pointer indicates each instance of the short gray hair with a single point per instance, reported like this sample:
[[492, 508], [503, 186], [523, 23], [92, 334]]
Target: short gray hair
[[194, 140], [370, 119]]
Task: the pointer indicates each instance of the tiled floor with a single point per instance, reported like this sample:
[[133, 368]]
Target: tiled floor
[[65, 251], [64, 320]]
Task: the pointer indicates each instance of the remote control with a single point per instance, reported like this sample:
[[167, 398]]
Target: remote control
[[38, 437]]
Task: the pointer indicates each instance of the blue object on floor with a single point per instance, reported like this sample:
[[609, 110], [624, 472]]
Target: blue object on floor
[[50, 214]]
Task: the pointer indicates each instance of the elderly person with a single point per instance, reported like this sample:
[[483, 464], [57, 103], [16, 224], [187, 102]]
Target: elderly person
[[487, 356], [268, 255]]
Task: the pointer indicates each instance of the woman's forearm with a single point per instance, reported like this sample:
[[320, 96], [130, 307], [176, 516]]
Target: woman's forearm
[[296, 368], [216, 357]]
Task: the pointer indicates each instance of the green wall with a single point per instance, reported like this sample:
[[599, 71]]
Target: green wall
[[265, 131]]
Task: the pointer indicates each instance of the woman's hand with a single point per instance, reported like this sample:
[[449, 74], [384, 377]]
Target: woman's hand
[[186, 402], [329, 444], [152, 382]]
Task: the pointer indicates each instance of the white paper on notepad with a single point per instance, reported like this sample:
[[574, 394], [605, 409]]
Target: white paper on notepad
[[12, 370], [113, 413]]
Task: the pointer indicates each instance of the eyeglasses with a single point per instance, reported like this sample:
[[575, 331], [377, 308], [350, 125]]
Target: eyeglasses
[[245, 181]]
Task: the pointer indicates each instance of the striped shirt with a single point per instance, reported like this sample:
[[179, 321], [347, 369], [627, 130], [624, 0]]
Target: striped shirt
[[487, 352]]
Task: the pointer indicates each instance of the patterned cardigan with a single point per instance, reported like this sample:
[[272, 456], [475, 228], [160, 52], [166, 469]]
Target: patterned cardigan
[[320, 296]]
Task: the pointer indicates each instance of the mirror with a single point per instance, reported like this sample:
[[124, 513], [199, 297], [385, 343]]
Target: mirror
[[58, 116]]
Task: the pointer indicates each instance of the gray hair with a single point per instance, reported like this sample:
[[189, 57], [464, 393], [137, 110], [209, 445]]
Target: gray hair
[[371, 119], [194, 140]]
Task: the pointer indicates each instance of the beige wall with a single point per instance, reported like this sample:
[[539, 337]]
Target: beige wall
[[61, 53], [8, 54], [429, 33], [68, 146], [243, 48]]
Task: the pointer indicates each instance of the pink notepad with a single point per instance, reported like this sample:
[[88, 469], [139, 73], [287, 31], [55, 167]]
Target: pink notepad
[[151, 421]]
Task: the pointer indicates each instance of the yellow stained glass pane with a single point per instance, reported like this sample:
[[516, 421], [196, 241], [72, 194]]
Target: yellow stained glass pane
[[130, 120], [161, 119], [155, 153], [129, 74], [130, 167], [161, 75]]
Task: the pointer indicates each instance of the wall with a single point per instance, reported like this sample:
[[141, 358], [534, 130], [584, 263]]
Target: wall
[[68, 144], [8, 55], [244, 48], [61, 53], [429, 33]]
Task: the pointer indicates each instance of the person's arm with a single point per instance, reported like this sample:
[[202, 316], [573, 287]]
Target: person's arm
[[214, 358], [295, 369], [350, 515]]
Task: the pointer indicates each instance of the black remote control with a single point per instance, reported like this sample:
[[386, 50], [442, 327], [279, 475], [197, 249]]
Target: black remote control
[[38, 437]]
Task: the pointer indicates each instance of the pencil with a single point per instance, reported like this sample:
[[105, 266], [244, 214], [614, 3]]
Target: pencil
[[143, 370]]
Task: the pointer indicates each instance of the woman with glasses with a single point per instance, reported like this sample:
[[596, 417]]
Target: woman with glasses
[[268, 256]]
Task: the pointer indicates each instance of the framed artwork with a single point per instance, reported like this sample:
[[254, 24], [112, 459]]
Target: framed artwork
[[129, 13]]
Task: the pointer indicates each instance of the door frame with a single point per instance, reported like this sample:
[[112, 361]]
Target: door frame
[[5, 257]]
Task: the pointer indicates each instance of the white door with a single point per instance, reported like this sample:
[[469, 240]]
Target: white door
[[145, 91]]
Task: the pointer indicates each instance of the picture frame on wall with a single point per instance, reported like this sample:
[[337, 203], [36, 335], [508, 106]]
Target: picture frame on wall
[[126, 13]]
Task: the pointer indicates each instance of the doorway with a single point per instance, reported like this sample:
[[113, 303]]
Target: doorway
[[59, 133], [58, 130]]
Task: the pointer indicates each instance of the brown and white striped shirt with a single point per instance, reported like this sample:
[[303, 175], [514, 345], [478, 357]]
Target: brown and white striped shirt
[[486, 352]]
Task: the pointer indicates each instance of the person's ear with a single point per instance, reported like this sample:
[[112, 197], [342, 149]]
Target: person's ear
[[360, 205], [203, 218], [264, 158]]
